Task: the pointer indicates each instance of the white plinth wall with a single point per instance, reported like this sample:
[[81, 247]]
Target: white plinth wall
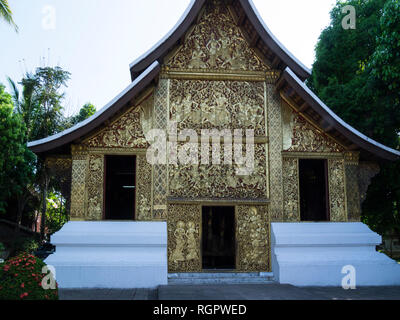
[[110, 255], [314, 254]]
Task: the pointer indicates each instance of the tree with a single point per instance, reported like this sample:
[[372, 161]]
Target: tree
[[356, 73], [40, 108], [6, 13], [85, 112], [16, 160]]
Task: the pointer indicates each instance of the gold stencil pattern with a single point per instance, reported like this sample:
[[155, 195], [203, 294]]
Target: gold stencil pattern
[[352, 192], [95, 187], [252, 232], [184, 230], [218, 105], [290, 190], [305, 137], [143, 189], [275, 153], [78, 187], [219, 181], [216, 43], [337, 192], [126, 132], [160, 174]]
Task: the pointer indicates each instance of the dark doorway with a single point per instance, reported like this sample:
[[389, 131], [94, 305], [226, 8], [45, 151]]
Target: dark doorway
[[120, 188], [218, 238], [313, 190]]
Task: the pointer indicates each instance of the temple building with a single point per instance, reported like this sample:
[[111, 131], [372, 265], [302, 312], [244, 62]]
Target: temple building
[[219, 68]]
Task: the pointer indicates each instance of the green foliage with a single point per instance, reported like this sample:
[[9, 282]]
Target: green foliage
[[56, 212], [27, 245], [6, 13], [2, 247], [21, 279], [357, 74], [15, 158], [86, 112]]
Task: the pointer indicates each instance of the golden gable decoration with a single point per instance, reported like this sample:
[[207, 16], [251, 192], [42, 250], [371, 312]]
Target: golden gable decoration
[[216, 43], [127, 131], [299, 135]]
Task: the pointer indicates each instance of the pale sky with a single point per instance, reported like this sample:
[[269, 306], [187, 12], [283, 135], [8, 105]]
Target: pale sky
[[96, 40]]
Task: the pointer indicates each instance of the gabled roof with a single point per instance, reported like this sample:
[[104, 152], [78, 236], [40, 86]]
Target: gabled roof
[[246, 17], [291, 84], [85, 127], [295, 91]]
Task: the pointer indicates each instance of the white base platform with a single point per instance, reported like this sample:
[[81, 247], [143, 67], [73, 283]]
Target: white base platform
[[110, 255], [314, 254]]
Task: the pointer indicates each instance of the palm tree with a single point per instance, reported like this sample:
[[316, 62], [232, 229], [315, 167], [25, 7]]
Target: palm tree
[[6, 13]]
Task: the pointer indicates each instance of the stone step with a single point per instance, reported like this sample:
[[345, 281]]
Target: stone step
[[220, 278]]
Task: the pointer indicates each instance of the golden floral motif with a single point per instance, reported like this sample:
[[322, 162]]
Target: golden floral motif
[[337, 192], [197, 104], [306, 138], [219, 181], [216, 43], [252, 233]]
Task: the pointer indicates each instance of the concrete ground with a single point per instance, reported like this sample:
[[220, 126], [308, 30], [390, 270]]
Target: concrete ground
[[235, 292]]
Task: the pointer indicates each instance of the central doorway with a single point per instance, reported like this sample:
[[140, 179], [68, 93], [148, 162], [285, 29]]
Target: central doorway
[[218, 238], [313, 190], [120, 187]]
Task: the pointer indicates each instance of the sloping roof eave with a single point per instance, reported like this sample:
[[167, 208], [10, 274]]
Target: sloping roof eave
[[86, 126], [178, 31], [336, 122]]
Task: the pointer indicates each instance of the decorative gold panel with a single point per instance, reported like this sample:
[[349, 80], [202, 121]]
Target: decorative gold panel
[[78, 186], [275, 153], [197, 105], [300, 136], [337, 191], [352, 192], [216, 42], [219, 181], [160, 174], [184, 238], [252, 238], [95, 187], [125, 132], [143, 189], [291, 208]]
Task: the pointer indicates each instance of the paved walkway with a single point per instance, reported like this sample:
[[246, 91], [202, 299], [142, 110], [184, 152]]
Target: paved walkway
[[108, 294], [235, 292]]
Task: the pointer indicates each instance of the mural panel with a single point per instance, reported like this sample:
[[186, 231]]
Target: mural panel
[[218, 105], [337, 191], [252, 237], [184, 238], [216, 43], [291, 210]]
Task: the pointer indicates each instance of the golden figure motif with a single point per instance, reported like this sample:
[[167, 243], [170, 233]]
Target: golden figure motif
[[180, 235], [192, 246]]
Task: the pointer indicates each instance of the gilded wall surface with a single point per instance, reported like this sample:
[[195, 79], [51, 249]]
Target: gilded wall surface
[[215, 80], [184, 238], [216, 43], [252, 236], [123, 136]]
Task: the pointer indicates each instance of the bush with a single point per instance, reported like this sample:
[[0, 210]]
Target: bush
[[26, 245], [2, 247], [21, 279]]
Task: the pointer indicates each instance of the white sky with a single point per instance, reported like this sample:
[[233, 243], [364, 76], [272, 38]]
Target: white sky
[[96, 40]]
